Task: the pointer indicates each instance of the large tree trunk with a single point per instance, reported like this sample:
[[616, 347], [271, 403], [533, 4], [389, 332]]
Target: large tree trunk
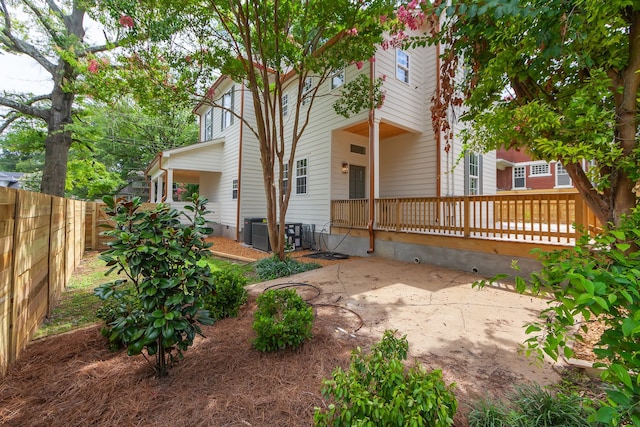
[[58, 140]]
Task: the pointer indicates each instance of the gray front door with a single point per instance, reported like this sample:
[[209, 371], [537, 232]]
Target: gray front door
[[356, 182]]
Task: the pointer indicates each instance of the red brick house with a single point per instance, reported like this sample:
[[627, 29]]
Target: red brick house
[[515, 170]]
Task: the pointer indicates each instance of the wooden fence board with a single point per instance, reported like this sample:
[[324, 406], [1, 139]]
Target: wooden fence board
[[41, 243]]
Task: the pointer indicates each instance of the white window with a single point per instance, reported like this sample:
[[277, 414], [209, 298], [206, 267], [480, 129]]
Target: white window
[[402, 66], [306, 89], [474, 174], [538, 169], [519, 179], [285, 104], [227, 105], [337, 80], [285, 177], [301, 176], [234, 189], [208, 125], [562, 177]]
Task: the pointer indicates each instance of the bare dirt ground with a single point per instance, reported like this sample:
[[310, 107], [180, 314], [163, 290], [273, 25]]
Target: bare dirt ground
[[73, 380]]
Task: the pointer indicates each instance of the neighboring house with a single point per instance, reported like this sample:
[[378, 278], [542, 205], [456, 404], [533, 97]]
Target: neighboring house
[[517, 171], [337, 160], [10, 179], [136, 187]]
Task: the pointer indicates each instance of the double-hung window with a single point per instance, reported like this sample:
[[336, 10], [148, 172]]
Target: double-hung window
[[208, 125], [402, 66], [562, 176], [474, 174], [301, 176], [227, 109], [234, 189], [285, 177], [337, 80], [306, 90], [285, 104]]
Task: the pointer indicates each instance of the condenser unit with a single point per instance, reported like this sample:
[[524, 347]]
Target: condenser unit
[[260, 236]]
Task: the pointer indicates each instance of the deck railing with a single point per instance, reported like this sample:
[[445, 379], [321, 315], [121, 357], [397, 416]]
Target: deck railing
[[536, 217]]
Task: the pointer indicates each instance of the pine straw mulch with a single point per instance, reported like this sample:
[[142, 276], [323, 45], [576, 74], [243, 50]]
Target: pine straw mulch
[[72, 379]]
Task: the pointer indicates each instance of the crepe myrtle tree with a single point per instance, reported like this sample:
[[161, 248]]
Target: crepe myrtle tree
[[53, 34], [271, 48], [558, 78]]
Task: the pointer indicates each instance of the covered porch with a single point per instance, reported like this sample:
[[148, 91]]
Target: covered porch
[[175, 173]]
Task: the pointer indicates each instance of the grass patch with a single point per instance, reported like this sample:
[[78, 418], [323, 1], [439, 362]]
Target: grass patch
[[77, 305]]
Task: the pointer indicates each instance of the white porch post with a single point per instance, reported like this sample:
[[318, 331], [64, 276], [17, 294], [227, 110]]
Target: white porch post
[[169, 186], [159, 181], [376, 158]]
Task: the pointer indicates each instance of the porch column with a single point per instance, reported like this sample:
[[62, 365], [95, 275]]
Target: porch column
[[159, 188], [169, 186], [376, 158]]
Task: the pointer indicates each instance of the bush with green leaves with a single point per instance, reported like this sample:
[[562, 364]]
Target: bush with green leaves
[[532, 406], [600, 278], [378, 390], [282, 320], [159, 304], [273, 268], [229, 294]]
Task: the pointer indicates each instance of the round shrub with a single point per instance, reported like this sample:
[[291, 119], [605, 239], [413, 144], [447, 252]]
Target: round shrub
[[229, 294], [378, 390], [283, 319]]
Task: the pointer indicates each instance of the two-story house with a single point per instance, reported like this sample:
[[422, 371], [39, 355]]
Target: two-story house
[[346, 171], [516, 170]]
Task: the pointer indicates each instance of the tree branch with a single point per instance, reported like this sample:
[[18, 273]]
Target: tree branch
[[27, 107], [17, 45]]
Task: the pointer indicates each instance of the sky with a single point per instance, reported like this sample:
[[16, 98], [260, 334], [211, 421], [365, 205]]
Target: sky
[[23, 74]]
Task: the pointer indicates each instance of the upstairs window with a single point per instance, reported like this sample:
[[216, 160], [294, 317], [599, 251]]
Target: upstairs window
[[227, 105], [337, 80], [208, 125], [301, 176], [402, 66]]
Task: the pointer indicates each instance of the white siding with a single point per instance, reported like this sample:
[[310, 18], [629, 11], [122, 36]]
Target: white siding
[[407, 167]]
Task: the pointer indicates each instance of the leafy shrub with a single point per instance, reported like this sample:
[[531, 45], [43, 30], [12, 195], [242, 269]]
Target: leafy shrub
[[283, 319], [597, 278], [377, 390], [274, 268], [229, 294], [159, 305]]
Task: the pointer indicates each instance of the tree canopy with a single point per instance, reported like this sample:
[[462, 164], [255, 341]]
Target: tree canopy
[[558, 78]]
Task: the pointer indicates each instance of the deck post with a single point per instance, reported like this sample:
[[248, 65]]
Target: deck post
[[467, 215]]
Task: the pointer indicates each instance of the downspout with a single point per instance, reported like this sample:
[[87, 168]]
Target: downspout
[[240, 163], [372, 172], [438, 134]]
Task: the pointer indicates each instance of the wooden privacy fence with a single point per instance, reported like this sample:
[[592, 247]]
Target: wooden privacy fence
[[536, 217], [96, 221], [41, 244]]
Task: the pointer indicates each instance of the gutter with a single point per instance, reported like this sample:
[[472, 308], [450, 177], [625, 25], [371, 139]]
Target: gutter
[[438, 134], [240, 137], [372, 172]]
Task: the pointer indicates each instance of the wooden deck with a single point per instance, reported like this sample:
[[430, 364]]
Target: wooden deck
[[547, 218]]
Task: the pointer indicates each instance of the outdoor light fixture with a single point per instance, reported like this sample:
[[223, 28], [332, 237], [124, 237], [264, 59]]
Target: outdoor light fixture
[[345, 167]]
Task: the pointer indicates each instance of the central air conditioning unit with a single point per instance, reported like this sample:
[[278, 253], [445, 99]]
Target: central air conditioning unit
[[308, 239], [293, 234], [260, 236]]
